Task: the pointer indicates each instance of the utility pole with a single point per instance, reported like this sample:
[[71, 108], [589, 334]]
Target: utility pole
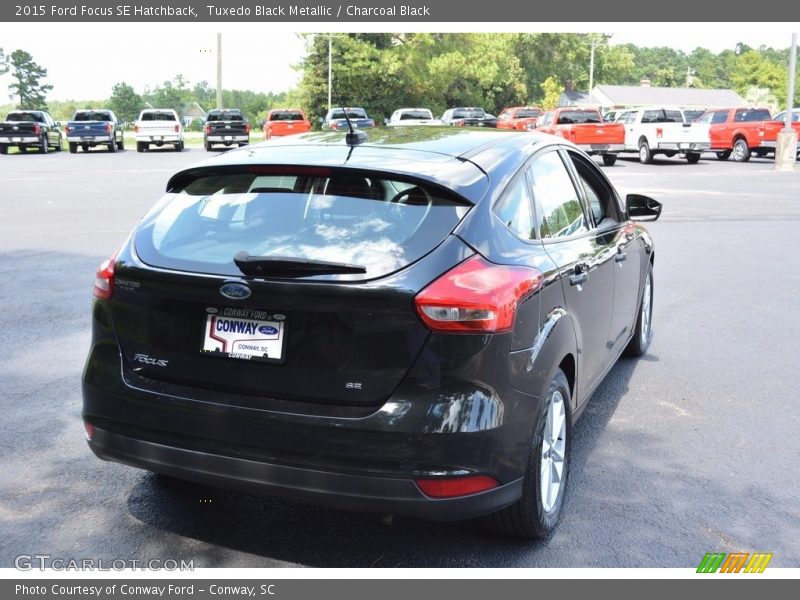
[[595, 40], [219, 70], [786, 147], [330, 68]]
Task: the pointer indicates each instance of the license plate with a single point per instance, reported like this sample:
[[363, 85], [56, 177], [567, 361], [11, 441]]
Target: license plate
[[16, 139], [261, 338], [87, 138], [227, 138], [599, 146]]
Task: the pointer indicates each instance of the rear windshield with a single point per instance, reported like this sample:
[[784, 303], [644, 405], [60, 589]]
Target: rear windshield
[[337, 216], [158, 116], [662, 116], [528, 113], [469, 113], [25, 116], [579, 116], [225, 116], [352, 113], [286, 115], [92, 116], [422, 115]]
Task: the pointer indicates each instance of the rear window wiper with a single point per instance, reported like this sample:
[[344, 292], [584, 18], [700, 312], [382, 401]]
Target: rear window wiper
[[284, 266]]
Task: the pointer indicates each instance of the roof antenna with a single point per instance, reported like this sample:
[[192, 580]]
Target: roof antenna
[[355, 137]]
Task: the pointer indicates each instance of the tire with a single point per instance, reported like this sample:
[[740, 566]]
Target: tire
[[741, 152], [73, 147], [3, 149], [693, 158], [85, 147], [140, 146], [59, 145], [208, 146], [112, 146], [645, 155], [724, 155], [609, 159], [121, 144], [642, 332], [44, 145], [179, 147], [536, 514]]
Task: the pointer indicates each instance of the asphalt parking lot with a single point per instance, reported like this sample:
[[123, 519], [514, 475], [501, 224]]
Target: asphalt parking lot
[[692, 449]]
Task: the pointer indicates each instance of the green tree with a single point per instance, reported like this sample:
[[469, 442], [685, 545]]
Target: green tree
[[3, 62], [125, 102], [27, 76], [552, 92]]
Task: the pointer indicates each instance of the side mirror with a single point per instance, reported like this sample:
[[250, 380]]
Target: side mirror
[[642, 208]]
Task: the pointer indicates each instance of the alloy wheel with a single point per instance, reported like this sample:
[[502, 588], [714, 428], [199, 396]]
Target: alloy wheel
[[553, 450]]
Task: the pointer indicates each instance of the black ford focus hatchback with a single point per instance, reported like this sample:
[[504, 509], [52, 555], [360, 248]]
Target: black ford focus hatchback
[[408, 324]]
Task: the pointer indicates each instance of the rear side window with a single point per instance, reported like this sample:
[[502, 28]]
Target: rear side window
[[559, 208], [743, 116], [336, 216], [515, 209], [720, 116]]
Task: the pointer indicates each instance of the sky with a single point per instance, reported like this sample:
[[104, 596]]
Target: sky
[[262, 56]]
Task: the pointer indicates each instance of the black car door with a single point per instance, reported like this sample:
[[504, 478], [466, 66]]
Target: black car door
[[614, 231], [585, 259]]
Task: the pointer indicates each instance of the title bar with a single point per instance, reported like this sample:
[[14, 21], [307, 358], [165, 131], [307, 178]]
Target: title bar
[[387, 11]]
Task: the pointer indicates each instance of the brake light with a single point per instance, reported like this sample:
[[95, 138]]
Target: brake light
[[104, 279], [247, 127], [89, 430], [135, 129], [334, 125], [177, 128], [36, 129], [108, 127], [456, 486], [476, 296], [208, 128], [66, 128]]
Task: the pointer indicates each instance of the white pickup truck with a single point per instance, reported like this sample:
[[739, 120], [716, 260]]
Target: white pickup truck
[[158, 126], [659, 130]]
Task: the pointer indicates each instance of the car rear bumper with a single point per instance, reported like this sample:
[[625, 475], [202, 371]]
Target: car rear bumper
[[157, 139], [601, 148], [26, 139], [684, 146], [385, 495], [227, 139], [78, 139]]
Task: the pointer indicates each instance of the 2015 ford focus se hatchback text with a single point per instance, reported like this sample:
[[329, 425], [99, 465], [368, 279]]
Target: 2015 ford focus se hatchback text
[[406, 324]]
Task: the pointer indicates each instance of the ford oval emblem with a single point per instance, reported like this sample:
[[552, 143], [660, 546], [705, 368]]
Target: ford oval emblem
[[235, 291], [267, 330]]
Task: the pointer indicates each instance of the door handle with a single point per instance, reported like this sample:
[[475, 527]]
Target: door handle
[[580, 274], [620, 255]]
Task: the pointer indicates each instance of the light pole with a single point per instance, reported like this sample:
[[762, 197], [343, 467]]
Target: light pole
[[219, 71], [594, 42], [330, 68], [786, 146]]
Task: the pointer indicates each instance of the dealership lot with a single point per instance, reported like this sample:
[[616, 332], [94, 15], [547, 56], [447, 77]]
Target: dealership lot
[[692, 449]]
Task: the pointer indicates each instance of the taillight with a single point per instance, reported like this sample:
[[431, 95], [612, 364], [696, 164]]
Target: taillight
[[104, 279], [108, 127], [208, 128], [89, 430], [135, 129], [36, 129], [476, 296], [66, 128], [177, 128], [456, 486], [334, 125], [247, 127]]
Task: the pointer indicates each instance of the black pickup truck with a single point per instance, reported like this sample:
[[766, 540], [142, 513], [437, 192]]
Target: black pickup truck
[[226, 126], [29, 129]]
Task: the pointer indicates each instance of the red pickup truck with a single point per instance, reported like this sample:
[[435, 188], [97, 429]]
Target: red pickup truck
[[585, 128], [742, 132], [285, 121], [520, 118]]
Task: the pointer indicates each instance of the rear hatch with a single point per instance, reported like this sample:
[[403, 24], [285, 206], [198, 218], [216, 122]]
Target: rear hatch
[[157, 123], [587, 127], [90, 123], [289, 283], [227, 123]]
